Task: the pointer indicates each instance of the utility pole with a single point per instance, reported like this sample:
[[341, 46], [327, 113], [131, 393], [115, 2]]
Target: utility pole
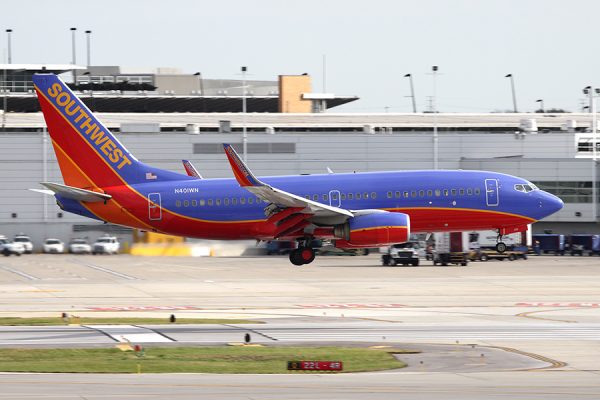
[[8, 36], [412, 92], [88, 35], [514, 96], [244, 133], [74, 54]]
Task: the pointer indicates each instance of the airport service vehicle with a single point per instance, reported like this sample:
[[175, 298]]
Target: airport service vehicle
[[451, 248], [584, 243], [26, 240], [104, 181], [482, 246], [8, 247], [53, 246], [550, 243], [106, 245], [79, 246], [403, 253]]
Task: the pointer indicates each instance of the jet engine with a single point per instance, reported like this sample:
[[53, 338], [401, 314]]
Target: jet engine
[[373, 230]]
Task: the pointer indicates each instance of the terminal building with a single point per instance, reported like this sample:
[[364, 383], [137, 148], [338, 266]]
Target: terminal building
[[288, 132]]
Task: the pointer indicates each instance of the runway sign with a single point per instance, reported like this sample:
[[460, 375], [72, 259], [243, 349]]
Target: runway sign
[[315, 366]]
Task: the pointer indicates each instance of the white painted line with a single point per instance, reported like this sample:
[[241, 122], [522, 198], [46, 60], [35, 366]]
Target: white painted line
[[20, 273], [102, 269], [130, 334]]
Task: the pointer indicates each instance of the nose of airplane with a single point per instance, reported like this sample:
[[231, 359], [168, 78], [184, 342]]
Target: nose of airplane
[[552, 203]]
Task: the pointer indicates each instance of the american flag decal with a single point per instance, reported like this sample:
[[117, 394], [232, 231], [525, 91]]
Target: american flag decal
[[150, 175]]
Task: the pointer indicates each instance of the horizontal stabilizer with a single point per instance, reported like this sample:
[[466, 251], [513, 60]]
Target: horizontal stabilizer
[[74, 193]]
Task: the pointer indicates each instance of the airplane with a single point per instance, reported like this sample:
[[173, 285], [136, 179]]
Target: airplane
[[104, 181]]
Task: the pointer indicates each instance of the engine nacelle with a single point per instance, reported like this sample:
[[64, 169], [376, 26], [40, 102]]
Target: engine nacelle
[[373, 230]]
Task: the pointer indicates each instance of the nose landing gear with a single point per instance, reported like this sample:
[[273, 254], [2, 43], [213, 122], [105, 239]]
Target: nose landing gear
[[500, 245]]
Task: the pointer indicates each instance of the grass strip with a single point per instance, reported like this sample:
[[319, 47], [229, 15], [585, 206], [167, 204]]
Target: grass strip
[[47, 321], [219, 360]]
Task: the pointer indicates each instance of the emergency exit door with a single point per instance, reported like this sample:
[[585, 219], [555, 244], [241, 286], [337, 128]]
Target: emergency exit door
[[491, 192], [154, 207]]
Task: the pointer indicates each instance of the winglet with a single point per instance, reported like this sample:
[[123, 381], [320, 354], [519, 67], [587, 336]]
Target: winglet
[[240, 170], [190, 169]]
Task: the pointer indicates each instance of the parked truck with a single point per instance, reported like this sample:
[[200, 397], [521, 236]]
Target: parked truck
[[451, 248], [549, 243], [482, 245], [581, 244]]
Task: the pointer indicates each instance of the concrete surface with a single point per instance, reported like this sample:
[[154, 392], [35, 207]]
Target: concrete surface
[[545, 310]]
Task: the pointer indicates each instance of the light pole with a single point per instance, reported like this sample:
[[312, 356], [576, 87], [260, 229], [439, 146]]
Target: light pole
[[88, 35], [244, 133], [514, 96], [590, 92], [434, 70], [412, 92], [8, 36], [74, 58], [541, 101], [201, 81]]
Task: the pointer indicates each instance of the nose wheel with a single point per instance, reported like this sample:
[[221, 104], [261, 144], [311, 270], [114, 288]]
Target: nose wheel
[[302, 255], [500, 245]]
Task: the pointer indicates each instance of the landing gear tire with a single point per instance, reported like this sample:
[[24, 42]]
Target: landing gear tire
[[302, 255], [501, 247]]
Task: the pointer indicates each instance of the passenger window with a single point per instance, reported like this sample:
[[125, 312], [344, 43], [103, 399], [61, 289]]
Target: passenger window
[[316, 197], [405, 195], [413, 194], [343, 196], [462, 192], [210, 202], [242, 200], [438, 192], [350, 196], [429, 193], [307, 196], [373, 195], [234, 201], [365, 195], [325, 197], [194, 203], [334, 196], [178, 203], [469, 192], [218, 202], [250, 200], [389, 195], [202, 202], [453, 192], [226, 201], [357, 196], [445, 192], [186, 203], [421, 193], [398, 195], [477, 191]]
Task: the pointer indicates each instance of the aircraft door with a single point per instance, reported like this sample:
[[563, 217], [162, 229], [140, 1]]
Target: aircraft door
[[154, 207], [491, 192], [335, 198]]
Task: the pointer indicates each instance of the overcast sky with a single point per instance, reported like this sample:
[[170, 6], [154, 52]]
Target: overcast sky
[[548, 45]]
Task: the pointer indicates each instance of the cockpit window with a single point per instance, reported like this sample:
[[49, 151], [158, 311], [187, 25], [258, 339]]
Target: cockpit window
[[526, 188]]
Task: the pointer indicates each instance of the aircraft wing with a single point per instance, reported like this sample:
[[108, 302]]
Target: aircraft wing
[[74, 193], [279, 197]]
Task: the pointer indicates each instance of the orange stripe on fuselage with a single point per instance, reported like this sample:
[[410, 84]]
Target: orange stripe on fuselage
[[111, 211]]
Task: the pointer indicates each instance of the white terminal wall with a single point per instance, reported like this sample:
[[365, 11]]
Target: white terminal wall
[[543, 157]]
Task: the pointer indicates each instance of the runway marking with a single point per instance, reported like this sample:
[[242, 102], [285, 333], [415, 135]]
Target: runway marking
[[251, 330], [144, 308], [102, 269], [553, 363], [20, 273], [351, 305], [593, 305], [529, 315], [131, 333]]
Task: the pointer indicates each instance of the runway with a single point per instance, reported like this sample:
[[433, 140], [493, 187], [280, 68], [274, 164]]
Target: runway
[[274, 333], [536, 322]]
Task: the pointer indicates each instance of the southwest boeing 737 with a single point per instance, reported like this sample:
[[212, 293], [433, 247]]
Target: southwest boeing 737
[[104, 181]]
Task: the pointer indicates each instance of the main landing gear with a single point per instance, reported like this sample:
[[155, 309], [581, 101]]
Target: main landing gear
[[303, 254], [500, 245]]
